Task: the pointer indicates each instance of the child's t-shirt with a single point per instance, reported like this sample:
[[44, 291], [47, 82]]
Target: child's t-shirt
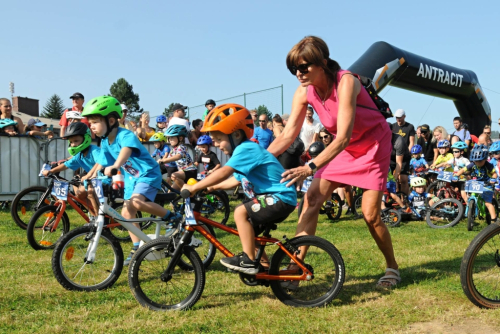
[[208, 160], [417, 200], [185, 162], [459, 163], [444, 158], [85, 162], [163, 152], [262, 169], [140, 166], [417, 163], [481, 173]]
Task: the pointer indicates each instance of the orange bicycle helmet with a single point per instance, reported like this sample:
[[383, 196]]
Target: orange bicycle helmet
[[229, 117]]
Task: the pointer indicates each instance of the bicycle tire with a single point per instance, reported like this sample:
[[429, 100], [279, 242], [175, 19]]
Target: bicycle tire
[[39, 232], [22, 215], [391, 217], [452, 209], [357, 202], [479, 268], [220, 204], [69, 263], [183, 289], [206, 250], [119, 232], [471, 213], [336, 209], [328, 269]]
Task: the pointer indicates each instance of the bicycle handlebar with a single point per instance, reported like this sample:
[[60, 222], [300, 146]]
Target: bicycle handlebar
[[185, 193]]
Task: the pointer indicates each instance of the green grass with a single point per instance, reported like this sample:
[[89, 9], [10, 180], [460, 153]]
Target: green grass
[[31, 300]]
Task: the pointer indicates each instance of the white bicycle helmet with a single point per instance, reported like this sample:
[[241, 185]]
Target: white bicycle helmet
[[73, 115], [418, 182]]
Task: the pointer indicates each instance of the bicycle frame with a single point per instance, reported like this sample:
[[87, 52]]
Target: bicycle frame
[[480, 206], [288, 275]]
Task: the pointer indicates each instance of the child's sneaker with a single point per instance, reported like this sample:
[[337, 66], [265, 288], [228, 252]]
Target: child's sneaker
[[173, 221], [241, 263], [129, 258]]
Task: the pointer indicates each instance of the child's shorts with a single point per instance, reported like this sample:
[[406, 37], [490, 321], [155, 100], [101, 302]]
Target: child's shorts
[[190, 174], [268, 210], [170, 171], [145, 190], [487, 195]]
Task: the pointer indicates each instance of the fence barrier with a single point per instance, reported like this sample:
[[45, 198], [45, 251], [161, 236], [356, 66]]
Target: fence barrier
[[22, 158]]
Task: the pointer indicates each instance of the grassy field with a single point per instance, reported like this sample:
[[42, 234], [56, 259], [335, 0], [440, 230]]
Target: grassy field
[[429, 299]]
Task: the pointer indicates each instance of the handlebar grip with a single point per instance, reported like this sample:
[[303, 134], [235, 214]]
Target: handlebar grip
[[185, 193], [114, 171]]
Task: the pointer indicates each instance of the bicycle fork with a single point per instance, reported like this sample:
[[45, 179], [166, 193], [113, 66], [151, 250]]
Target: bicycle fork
[[94, 240], [176, 256]]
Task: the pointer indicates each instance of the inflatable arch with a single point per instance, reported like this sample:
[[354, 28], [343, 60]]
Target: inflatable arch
[[389, 65]]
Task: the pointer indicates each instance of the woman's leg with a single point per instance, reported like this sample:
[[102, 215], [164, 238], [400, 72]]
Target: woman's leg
[[370, 207]]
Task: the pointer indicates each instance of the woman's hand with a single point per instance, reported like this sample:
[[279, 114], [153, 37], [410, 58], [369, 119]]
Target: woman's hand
[[296, 175]]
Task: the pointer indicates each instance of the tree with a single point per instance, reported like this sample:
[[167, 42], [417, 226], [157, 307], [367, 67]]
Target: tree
[[262, 109], [53, 108], [124, 92]]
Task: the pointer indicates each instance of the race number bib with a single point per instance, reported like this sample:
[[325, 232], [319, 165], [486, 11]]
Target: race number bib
[[445, 176], [97, 184], [473, 186], [306, 185], [247, 187], [60, 190]]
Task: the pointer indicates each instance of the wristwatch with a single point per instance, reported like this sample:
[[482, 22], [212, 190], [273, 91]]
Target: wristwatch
[[313, 167]]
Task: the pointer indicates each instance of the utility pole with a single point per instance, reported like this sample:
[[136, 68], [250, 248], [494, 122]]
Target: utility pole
[[11, 89]]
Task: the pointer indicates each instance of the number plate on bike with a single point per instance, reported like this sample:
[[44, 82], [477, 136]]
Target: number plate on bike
[[97, 184], [472, 186], [189, 213], [60, 190], [305, 186], [445, 176]]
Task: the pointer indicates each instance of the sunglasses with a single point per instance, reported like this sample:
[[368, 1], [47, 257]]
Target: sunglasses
[[488, 133], [324, 137], [262, 121], [495, 153], [456, 151], [303, 68]]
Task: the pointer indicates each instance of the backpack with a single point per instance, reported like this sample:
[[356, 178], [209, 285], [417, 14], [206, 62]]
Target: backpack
[[382, 106]]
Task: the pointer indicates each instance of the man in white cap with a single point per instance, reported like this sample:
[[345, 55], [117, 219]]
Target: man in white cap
[[124, 122], [403, 128]]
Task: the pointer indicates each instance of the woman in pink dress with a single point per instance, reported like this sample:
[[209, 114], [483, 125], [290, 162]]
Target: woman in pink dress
[[360, 153]]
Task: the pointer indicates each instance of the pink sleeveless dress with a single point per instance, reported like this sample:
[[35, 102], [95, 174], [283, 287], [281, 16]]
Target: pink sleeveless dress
[[365, 161]]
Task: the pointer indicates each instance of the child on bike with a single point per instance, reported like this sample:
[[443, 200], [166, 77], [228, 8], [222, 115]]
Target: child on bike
[[390, 191], [481, 170], [161, 124], [230, 127], [458, 162], [84, 155], [418, 195], [444, 156], [161, 149], [180, 155], [121, 148], [208, 158], [417, 162], [495, 161]]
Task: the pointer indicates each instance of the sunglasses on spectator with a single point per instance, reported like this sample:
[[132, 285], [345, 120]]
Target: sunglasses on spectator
[[262, 121], [488, 133], [325, 136], [302, 68]]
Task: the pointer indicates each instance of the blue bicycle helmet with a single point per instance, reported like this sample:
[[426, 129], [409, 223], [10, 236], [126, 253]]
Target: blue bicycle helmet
[[176, 131], [204, 140], [479, 152], [161, 119], [443, 143], [416, 149], [495, 147], [7, 122], [460, 145]]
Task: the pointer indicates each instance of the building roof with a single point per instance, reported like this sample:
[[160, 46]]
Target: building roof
[[25, 118]]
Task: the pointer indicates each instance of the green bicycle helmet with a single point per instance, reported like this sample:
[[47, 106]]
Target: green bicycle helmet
[[104, 106], [78, 129], [7, 122], [159, 136]]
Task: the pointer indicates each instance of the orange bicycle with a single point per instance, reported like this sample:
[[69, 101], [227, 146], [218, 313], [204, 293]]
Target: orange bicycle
[[168, 274]]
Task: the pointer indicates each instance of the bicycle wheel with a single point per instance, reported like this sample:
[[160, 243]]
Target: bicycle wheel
[[445, 213], [119, 232], [323, 259], [74, 272], [24, 204], [391, 217], [216, 206], [357, 202], [202, 246], [479, 271], [333, 209], [179, 292], [42, 232], [471, 214]]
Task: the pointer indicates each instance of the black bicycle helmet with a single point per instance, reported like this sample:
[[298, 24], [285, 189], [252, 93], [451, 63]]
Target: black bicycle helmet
[[316, 148], [76, 129], [210, 101]]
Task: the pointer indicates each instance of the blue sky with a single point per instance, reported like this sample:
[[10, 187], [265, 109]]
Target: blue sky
[[190, 51]]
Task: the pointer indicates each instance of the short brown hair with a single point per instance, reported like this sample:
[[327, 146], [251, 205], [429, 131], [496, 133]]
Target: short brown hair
[[314, 50], [277, 118]]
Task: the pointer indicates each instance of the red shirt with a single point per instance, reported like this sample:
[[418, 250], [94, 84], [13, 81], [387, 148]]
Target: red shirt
[[64, 120]]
